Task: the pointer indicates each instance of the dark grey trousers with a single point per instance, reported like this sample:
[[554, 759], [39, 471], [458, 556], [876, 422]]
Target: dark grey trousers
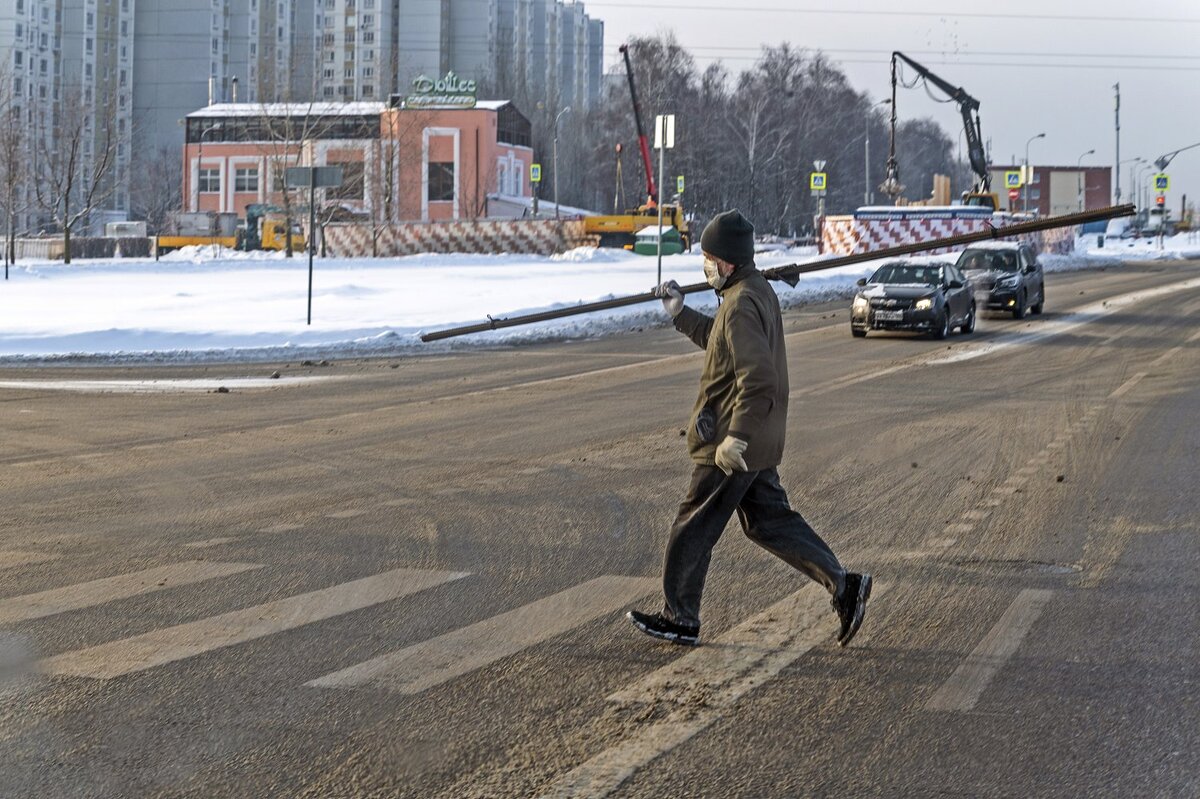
[[766, 517]]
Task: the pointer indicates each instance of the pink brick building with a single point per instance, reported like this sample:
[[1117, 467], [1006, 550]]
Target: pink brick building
[[398, 164]]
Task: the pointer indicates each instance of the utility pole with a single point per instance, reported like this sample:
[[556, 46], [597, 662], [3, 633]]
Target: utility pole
[[1117, 169]]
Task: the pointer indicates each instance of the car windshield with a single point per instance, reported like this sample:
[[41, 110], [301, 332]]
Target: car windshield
[[908, 274], [994, 260]]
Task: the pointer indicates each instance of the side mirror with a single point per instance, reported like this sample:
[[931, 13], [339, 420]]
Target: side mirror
[[956, 284], [1030, 269], [862, 281]]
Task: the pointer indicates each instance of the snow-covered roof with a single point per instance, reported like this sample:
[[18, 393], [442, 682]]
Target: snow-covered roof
[[225, 110], [322, 109], [994, 245], [651, 231]]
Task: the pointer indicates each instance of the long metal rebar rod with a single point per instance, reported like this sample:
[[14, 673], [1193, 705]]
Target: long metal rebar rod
[[791, 272]]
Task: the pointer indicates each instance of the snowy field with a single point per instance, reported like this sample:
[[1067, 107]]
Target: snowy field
[[193, 306]]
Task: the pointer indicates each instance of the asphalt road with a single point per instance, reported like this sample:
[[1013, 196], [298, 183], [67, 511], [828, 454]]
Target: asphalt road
[[408, 578]]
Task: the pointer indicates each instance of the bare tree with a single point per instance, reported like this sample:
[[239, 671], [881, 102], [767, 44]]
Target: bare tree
[[14, 161], [157, 191], [74, 164]]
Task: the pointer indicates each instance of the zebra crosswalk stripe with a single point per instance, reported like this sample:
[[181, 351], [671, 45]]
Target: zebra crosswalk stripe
[[109, 589], [182, 641], [425, 665]]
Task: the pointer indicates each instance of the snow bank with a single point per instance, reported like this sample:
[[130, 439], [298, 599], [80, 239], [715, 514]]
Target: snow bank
[[201, 304]]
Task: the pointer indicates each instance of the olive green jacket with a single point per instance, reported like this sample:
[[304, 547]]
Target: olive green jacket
[[745, 379]]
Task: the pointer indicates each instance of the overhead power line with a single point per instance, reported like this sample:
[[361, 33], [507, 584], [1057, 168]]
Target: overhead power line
[[878, 13]]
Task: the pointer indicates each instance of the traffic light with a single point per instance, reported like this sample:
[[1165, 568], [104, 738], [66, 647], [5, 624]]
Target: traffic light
[[1160, 200]]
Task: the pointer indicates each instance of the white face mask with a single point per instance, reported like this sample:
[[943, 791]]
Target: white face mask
[[713, 274]]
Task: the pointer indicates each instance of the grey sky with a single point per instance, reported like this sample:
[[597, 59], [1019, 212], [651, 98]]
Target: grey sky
[[1043, 87]]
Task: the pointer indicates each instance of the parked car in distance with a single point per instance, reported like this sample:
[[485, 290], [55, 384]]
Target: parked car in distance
[[1006, 276], [929, 298]]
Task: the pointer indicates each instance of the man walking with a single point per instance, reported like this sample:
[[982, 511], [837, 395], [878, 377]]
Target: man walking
[[736, 441]]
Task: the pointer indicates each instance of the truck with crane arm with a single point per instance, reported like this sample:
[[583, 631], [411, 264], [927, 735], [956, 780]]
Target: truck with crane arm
[[981, 193], [620, 230]]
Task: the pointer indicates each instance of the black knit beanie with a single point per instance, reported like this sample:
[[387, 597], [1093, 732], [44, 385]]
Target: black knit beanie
[[730, 237]]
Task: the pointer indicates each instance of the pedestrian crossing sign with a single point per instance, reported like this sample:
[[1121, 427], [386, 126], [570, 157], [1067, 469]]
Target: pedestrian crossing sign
[[817, 181], [1162, 182], [1012, 179], [535, 173]]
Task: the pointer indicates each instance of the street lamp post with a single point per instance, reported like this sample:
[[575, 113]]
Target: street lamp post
[[1079, 177], [1029, 174], [556, 118], [867, 152], [1140, 199], [200, 157], [1133, 162]]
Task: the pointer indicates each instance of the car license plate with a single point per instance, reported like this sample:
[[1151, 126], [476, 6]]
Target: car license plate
[[889, 316]]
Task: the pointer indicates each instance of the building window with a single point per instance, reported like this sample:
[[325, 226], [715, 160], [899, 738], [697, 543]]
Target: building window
[[368, 90], [1035, 194], [368, 37], [246, 179], [210, 181], [441, 181], [352, 182]]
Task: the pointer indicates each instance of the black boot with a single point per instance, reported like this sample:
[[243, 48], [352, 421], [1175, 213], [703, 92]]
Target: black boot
[[851, 605], [653, 624]]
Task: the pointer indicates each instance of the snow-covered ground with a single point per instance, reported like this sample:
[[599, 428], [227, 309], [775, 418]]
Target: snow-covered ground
[[204, 306]]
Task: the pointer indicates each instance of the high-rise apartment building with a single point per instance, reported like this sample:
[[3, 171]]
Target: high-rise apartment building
[[137, 68], [188, 54], [356, 45]]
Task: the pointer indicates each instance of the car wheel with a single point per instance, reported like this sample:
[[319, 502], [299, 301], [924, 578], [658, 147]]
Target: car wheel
[[968, 326], [1037, 309], [1019, 311], [943, 328], [854, 331]]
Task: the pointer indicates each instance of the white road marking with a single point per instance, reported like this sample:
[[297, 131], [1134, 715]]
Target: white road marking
[[1056, 327], [345, 514], [1127, 386], [976, 515], [170, 644], [109, 589], [422, 666], [285, 527], [160, 386], [968, 682], [10, 558], [700, 687], [209, 542], [960, 527]]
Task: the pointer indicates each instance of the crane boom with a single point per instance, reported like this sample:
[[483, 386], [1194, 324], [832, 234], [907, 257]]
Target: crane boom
[[643, 144], [968, 106]]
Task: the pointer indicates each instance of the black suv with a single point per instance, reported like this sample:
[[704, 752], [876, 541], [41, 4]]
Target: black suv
[[1006, 277], [930, 298]]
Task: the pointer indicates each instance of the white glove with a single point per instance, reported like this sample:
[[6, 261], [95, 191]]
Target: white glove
[[729, 455], [672, 298]]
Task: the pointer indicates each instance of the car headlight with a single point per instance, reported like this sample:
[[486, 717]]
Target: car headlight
[[860, 303], [1008, 282], [924, 304]]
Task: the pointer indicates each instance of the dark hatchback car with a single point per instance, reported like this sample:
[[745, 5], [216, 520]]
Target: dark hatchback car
[[1006, 276], [929, 298]]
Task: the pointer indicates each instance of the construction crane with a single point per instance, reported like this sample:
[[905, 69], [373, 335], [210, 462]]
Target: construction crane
[[968, 106], [643, 144], [620, 230]]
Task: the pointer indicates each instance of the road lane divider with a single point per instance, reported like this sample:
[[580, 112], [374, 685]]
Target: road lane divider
[[422, 666], [962, 690], [11, 558], [159, 647], [109, 589]]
